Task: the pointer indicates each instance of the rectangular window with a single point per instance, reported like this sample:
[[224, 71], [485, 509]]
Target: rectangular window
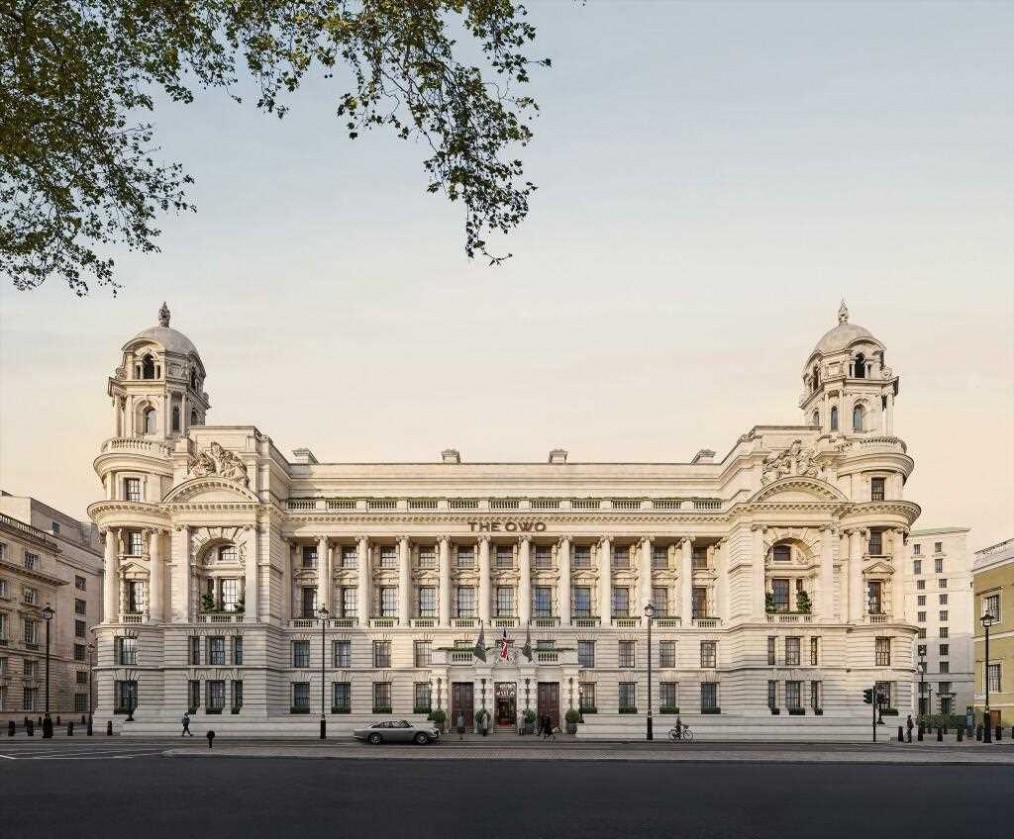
[[125, 649], [660, 600], [659, 557], [504, 557], [709, 653], [816, 689], [230, 595], [422, 698], [942, 632], [874, 597], [699, 559], [917, 566], [80, 703], [543, 557], [883, 652], [30, 698], [466, 557], [943, 616], [780, 594], [466, 601], [700, 602], [586, 696], [772, 649], [237, 693], [237, 650], [628, 696], [80, 629], [30, 596], [876, 489], [350, 602], [815, 651], [938, 547], [388, 602], [132, 489], [621, 558], [993, 678], [81, 677], [944, 687], [381, 653], [920, 584], [388, 556], [585, 653], [709, 697], [921, 600], [921, 617], [781, 553], [916, 549], [31, 562], [668, 695], [945, 667], [876, 543], [427, 556], [942, 582], [505, 601], [582, 556], [193, 695], [938, 566], [125, 694], [666, 653], [991, 606], [301, 697], [792, 652], [884, 694], [214, 695], [4, 589], [943, 599], [136, 597], [135, 543], [582, 602], [80, 606], [341, 653], [341, 697], [195, 651], [350, 556], [80, 652], [427, 602], [300, 653], [31, 631], [772, 693], [792, 697], [945, 649], [627, 653], [216, 650], [621, 602], [543, 602], [381, 697], [30, 668], [423, 653], [309, 556], [309, 594]]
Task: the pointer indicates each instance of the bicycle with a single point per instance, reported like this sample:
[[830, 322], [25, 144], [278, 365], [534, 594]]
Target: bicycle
[[686, 736]]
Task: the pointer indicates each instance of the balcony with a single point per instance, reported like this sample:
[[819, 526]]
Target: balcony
[[134, 618], [547, 657], [383, 622], [585, 621], [545, 622], [789, 617], [461, 657], [424, 621], [626, 622], [133, 444], [707, 623], [878, 618], [504, 623], [342, 623], [464, 622], [211, 617], [668, 622]]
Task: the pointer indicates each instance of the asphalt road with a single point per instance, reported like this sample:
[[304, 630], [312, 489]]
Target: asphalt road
[[151, 797]]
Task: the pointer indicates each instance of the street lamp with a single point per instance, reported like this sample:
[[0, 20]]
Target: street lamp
[[649, 613], [322, 613], [987, 621], [922, 687], [47, 725], [91, 669]]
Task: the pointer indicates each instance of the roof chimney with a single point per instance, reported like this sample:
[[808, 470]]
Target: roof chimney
[[304, 456], [558, 456], [450, 456], [704, 456]]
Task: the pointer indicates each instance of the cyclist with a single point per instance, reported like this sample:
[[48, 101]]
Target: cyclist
[[679, 728]]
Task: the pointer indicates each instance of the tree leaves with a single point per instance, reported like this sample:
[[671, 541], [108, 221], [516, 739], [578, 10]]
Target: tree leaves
[[77, 178]]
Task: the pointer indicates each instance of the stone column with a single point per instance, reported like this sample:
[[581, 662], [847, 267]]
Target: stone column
[[759, 581], [445, 581], [251, 599], [323, 574], [844, 605], [524, 580], [116, 416], [687, 580], [644, 577], [111, 583], [365, 594], [156, 577], [889, 415], [484, 593], [404, 581], [563, 558], [722, 573], [606, 581], [857, 602], [289, 583], [897, 587], [824, 606], [180, 596]]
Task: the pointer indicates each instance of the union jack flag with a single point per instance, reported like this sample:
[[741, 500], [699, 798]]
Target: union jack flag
[[504, 647]]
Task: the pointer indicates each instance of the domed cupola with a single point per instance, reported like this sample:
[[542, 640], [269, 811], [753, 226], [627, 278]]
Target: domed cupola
[[847, 387], [158, 390]]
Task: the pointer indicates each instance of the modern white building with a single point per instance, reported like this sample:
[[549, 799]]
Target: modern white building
[[777, 574], [939, 602]]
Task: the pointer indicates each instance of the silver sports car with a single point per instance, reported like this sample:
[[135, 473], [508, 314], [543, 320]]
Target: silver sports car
[[397, 731]]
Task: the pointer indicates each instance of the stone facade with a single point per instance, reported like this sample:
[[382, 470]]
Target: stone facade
[[777, 575], [49, 559], [993, 571]]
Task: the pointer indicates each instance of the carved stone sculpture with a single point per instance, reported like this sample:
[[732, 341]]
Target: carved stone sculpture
[[794, 461], [216, 460]]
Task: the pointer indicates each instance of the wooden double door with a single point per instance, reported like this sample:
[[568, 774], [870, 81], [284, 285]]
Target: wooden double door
[[549, 701]]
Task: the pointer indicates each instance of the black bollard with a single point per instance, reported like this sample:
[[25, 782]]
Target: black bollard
[[211, 738], [940, 734], [961, 734], [84, 719], [89, 726], [58, 720], [978, 733], [70, 729], [999, 734], [47, 727], [30, 728], [11, 728], [109, 728], [920, 732], [901, 734]]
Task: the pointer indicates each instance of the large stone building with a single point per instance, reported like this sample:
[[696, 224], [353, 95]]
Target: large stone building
[[777, 575], [939, 602], [47, 559], [993, 571]]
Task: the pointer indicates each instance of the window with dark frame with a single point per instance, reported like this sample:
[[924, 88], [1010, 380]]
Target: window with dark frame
[[341, 653], [381, 653], [300, 653], [709, 654], [627, 653]]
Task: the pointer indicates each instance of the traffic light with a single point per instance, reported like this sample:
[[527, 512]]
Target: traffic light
[[868, 696]]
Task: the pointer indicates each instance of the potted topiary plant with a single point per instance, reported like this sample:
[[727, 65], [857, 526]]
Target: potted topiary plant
[[571, 717], [207, 602], [769, 602], [439, 718], [803, 602], [482, 721], [529, 721]]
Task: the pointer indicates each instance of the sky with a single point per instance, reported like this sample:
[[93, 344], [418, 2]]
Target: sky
[[713, 179]]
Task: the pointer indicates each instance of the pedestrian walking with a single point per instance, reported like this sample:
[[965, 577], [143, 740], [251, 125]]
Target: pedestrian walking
[[547, 727], [186, 725], [461, 726], [521, 723], [909, 725]]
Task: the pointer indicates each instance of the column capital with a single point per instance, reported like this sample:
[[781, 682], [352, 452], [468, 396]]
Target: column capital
[[605, 540], [403, 539], [760, 527], [322, 540], [363, 538], [566, 538], [648, 538], [483, 539], [444, 537], [524, 539], [689, 540]]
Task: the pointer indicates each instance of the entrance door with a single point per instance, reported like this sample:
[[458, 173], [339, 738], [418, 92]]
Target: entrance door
[[506, 703], [463, 702], [549, 701]]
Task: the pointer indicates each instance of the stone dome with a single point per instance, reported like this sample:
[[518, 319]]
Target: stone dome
[[843, 335], [170, 339]]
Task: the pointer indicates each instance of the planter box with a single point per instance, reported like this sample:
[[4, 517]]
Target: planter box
[[889, 712], [572, 728], [628, 710], [299, 710], [381, 710], [711, 710], [669, 709], [234, 711], [419, 709], [797, 712], [340, 710], [212, 710], [589, 710], [818, 711]]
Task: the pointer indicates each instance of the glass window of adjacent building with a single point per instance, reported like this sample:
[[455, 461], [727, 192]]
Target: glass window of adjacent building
[[543, 602], [381, 697], [427, 556], [815, 650], [876, 489], [427, 602], [465, 596], [938, 547], [301, 697], [991, 605], [942, 632], [237, 694], [709, 653], [581, 596], [423, 653], [80, 606], [80, 629], [875, 597], [659, 557], [920, 585], [125, 694], [772, 642], [309, 556], [699, 606], [993, 678], [621, 557], [666, 653], [504, 557], [349, 602], [505, 601], [627, 653], [300, 653], [135, 542], [350, 556], [585, 653], [709, 697], [341, 653], [543, 557], [938, 566], [388, 556], [876, 543], [816, 689], [772, 693], [341, 697], [381, 653], [621, 602], [230, 595], [132, 489], [309, 602], [628, 696], [388, 601], [792, 651], [917, 566]]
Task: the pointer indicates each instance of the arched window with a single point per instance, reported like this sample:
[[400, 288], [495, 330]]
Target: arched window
[[816, 377], [150, 421], [857, 418], [834, 417], [148, 367], [816, 418], [860, 366], [176, 418], [193, 418]]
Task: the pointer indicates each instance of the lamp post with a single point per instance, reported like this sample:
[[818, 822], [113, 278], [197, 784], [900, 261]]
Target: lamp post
[[929, 707], [649, 613], [922, 687], [987, 621], [91, 668], [322, 613], [47, 616]]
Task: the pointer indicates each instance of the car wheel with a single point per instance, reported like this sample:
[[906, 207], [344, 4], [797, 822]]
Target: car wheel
[[422, 739], [375, 739]]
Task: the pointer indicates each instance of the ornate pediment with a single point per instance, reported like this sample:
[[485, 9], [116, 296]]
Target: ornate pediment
[[209, 490], [216, 460], [879, 567], [793, 490], [795, 461]]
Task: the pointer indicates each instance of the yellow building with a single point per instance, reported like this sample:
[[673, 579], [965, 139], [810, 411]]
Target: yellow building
[[993, 583]]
